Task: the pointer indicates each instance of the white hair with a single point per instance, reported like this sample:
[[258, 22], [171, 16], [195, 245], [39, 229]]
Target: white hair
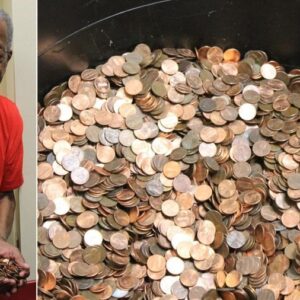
[[7, 19]]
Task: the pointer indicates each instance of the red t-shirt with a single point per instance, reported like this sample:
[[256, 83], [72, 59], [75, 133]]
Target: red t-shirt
[[11, 146]]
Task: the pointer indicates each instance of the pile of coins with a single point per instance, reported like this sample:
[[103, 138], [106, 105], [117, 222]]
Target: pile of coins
[[10, 269], [171, 174]]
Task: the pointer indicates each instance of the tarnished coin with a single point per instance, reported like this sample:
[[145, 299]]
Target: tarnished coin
[[261, 148]]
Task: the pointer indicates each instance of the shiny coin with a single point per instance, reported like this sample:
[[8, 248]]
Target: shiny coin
[[268, 71], [247, 111], [93, 237]]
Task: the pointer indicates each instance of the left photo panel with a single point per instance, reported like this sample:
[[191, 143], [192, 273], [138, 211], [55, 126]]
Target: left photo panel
[[18, 73]]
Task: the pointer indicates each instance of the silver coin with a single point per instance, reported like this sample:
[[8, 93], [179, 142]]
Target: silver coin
[[70, 162], [235, 239], [80, 175]]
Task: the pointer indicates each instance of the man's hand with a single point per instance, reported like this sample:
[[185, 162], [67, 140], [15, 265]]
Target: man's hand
[[10, 252]]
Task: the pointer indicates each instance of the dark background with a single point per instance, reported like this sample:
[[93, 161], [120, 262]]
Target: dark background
[[75, 34]]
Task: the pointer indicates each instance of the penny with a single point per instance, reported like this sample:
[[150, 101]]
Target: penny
[[268, 71], [59, 145], [226, 188], [182, 183], [156, 275], [247, 111], [189, 277], [87, 219], [278, 280], [70, 162], [121, 217], [170, 208], [203, 192], [231, 54], [61, 240], [154, 188], [75, 239], [171, 169], [215, 54], [80, 175], [199, 251], [93, 237], [169, 121], [175, 265], [268, 213], [207, 105], [185, 200], [289, 286], [208, 134], [233, 279], [240, 152], [206, 232], [178, 290], [170, 173], [241, 169], [207, 149], [197, 292], [92, 133], [261, 148], [131, 68], [156, 263], [62, 205], [45, 171], [235, 239], [119, 241], [169, 66], [133, 87], [166, 284], [51, 113], [66, 112], [183, 248], [189, 112], [266, 294], [81, 102], [248, 265], [290, 218], [134, 121], [229, 206], [126, 138], [105, 154], [252, 197], [293, 181], [158, 88]]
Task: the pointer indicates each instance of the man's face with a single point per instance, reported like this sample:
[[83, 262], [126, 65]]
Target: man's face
[[5, 54]]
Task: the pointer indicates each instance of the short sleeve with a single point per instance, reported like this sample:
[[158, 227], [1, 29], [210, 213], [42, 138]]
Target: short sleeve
[[13, 162]]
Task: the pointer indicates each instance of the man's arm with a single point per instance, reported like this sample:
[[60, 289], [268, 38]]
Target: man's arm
[[7, 211]]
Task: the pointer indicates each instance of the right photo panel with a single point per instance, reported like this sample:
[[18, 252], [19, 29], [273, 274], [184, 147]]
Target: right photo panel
[[168, 150]]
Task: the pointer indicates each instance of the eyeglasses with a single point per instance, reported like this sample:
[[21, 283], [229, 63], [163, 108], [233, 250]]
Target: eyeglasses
[[3, 55]]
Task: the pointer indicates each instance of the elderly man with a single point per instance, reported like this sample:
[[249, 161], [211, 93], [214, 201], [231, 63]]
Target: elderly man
[[11, 158]]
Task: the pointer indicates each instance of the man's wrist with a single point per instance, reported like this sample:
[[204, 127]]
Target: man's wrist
[[2, 238]]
